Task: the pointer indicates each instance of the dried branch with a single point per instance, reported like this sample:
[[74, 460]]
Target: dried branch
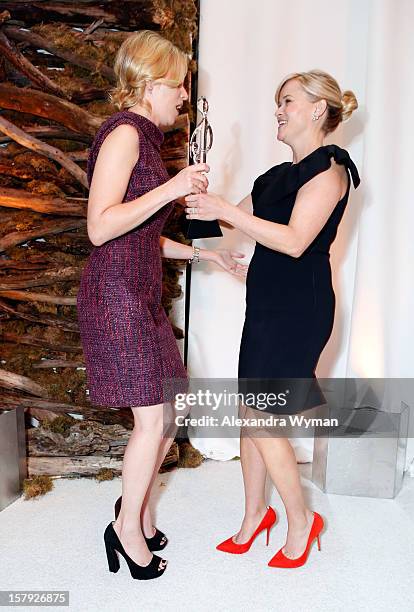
[[17, 198], [11, 130], [29, 296], [26, 100], [24, 66], [34, 341], [10, 380], [42, 43], [85, 466], [41, 414], [46, 132], [45, 229], [44, 278], [54, 321], [13, 401], [58, 363], [8, 264], [78, 155], [134, 14], [91, 28]]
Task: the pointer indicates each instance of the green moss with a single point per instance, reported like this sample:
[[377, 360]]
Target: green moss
[[36, 486], [189, 457], [60, 424], [105, 474]]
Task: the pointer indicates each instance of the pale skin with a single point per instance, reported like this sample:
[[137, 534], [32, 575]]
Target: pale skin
[[108, 218], [313, 206]]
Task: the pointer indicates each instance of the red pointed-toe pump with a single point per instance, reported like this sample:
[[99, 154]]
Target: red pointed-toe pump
[[280, 560], [230, 546]]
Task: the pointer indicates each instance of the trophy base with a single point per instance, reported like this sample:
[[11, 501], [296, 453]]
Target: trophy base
[[203, 229]]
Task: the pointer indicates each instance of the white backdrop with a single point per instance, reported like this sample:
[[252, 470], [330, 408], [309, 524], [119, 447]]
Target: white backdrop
[[245, 49]]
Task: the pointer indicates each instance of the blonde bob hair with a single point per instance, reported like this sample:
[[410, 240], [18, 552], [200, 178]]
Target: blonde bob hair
[[142, 58], [319, 85]]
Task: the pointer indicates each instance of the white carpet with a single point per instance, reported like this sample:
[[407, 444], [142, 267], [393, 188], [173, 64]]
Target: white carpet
[[366, 561]]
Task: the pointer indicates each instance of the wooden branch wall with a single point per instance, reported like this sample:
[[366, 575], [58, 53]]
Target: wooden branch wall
[[56, 63]]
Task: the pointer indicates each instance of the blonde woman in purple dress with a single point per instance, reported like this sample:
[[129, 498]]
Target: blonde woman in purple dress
[[128, 342]]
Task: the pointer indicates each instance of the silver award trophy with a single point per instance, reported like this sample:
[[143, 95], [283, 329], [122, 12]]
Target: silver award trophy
[[200, 143]]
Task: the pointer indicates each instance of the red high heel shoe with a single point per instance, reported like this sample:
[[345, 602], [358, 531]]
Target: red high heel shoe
[[267, 522], [280, 560]]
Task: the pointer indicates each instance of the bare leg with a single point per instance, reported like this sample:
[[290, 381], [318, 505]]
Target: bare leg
[[254, 478], [280, 460], [167, 440], [140, 458], [146, 517]]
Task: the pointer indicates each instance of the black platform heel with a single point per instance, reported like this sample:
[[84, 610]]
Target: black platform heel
[[157, 542], [113, 546]]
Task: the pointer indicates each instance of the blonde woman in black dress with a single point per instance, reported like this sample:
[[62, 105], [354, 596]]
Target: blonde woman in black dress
[[293, 214]]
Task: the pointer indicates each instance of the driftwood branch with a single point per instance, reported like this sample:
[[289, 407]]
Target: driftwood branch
[[12, 264], [45, 132], [100, 35], [41, 415], [41, 319], [28, 296], [94, 439], [91, 28], [13, 401], [58, 363], [26, 100], [17, 198], [89, 465], [34, 341], [45, 229], [10, 380], [11, 130], [77, 156], [26, 172], [42, 43], [72, 466], [24, 66], [49, 277], [135, 14]]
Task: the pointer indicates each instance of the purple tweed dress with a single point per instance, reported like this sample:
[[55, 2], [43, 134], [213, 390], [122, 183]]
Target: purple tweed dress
[[127, 339]]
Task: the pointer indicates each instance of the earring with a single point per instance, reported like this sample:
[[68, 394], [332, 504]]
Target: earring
[[315, 117]]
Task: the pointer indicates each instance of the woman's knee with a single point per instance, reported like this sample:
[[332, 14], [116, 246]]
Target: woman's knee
[[148, 419]]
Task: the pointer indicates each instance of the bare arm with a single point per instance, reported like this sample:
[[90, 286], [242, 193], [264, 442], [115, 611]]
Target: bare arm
[[222, 257], [176, 250], [108, 217], [244, 204], [314, 204]]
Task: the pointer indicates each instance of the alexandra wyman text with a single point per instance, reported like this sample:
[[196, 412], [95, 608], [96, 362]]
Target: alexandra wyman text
[[291, 420]]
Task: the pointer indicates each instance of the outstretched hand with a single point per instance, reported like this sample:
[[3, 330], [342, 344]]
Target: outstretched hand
[[228, 261]]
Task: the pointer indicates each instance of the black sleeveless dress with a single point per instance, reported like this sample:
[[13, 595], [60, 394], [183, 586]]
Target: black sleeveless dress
[[290, 302]]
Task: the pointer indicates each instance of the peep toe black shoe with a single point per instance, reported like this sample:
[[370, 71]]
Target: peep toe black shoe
[[113, 546], [157, 542]]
